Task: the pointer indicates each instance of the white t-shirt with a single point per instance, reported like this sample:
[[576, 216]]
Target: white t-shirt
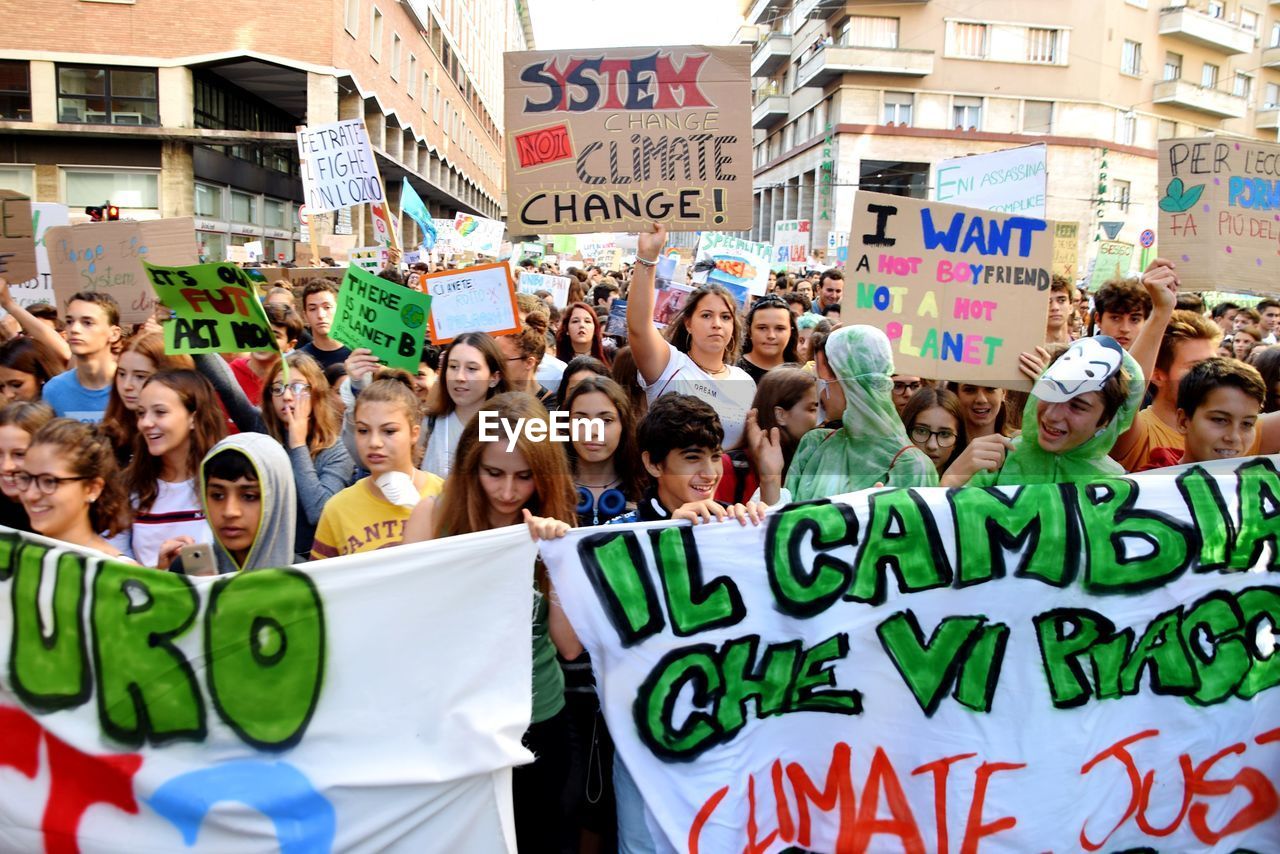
[[731, 396], [442, 444], [175, 512]]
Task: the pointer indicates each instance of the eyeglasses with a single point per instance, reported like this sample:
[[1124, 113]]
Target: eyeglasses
[[299, 389], [921, 435], [903, 388], [46, 483]]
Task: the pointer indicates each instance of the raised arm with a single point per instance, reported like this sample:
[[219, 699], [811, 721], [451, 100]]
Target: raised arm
[[1161, 283], [35, 328], [244, 414], [648, 347]]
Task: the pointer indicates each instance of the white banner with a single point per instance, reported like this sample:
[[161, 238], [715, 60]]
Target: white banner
[[338, 170], [1010, 181], [373, 702], [1044, 668]]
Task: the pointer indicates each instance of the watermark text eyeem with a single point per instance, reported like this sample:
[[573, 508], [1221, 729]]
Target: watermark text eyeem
[[558, 427]]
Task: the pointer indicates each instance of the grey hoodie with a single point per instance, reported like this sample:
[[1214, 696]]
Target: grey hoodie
[[273, 542]]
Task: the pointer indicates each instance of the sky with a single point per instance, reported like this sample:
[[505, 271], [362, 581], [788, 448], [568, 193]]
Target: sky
[[559, 24]]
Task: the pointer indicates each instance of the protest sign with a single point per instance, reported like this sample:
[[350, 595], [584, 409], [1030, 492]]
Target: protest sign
[[611, 139], [369, 258], [897, 669], [17, 238], [481, 298], [531, 283], [837, 248], [1066, 249], [387, 318], [791, 241], [478, 233], [108, 256], [447, 239], [284, 696], [668, 298], [39, 289], [532, 251], [616, 323], [740, 265], [609, 258], [254, 248], [215, 309], [1112, 262], [338, 170], [960, 292], [238, 253], [1011, 181], [1218, 219]]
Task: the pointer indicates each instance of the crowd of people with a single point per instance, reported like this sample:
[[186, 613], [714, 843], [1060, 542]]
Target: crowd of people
[[110, 443]]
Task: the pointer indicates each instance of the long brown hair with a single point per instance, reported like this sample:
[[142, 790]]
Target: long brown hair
[[325, 427], [929, 397], [677, 331], [28, 356], [201, 402], [27, 415], [89, 454], [395, 386], [785, 386], [441, 402], [564, 347], [120, 423], [463, 506], [626, 458]]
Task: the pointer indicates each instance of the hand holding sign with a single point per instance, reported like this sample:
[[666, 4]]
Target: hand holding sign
[[387, 318], [215, 306]]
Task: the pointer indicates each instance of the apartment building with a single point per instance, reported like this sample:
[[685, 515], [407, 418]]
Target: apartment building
[[854, 94], [183, 108]]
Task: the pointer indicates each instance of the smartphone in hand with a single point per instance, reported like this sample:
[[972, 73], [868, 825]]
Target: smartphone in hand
[[195, 560]]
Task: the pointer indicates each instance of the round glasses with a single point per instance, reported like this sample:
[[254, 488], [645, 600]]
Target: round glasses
[[921, 434], [298, 389], [46, 483], [905, 388]]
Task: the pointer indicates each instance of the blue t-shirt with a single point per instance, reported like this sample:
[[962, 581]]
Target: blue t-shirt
[[69, 399]]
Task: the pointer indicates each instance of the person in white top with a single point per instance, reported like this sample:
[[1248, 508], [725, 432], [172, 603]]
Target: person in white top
[[697, 355]]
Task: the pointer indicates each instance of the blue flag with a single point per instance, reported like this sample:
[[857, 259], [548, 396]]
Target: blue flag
[[413, 207]]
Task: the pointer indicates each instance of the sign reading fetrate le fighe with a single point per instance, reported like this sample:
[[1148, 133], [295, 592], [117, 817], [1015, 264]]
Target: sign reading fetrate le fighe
[[338, 170], [1040, 668], [373, 702], [959, 292], [611, 139]]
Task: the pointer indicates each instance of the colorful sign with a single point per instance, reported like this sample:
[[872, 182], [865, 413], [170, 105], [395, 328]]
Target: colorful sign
[[389, 319], [611, 139], [1218, 212], [479, 234], [960, 292], [1112, 262], [371, 259], [107, 257], [39, 289], [1034, 668], [1066, 250], [17, 238], [475, 299], [791, 241], [558, 286], [1013, 181], [134, 701], [215, 309], [742, 266], [338, 170]]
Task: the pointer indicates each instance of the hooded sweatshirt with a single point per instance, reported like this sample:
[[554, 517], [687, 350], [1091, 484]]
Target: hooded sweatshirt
[[273, 542], [871, 445], [1027, 462]]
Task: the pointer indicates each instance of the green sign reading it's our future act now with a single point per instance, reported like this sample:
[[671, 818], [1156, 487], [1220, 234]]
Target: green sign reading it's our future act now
[[388, 319], [215, 309]]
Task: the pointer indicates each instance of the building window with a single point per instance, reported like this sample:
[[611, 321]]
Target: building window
[[1209, 76], [1216, 9], [395, 56], [970, 41], [1131, 58], [1249, 21], [1122, 195], [209, 201], [866, 31], [220, 105], [435, 105], [20, 178], [897, 108], [1275, 34], [375, 35], [1243, 87], [1128, 128], [1042, 45], [426, 90], [412, 76], [274, 214], [1167, 129], [966, 113], [1037, 117], [107, 96], [136, 190], [351, 16], [1271, 98], [15, 91], [244, 208], [1172, 66]]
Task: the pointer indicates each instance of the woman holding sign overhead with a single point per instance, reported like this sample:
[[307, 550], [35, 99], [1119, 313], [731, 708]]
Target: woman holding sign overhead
[[697, 355]]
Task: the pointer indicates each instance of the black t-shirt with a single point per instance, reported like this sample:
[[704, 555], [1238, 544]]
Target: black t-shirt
[[326, 357], [13, 514], [756, 372]]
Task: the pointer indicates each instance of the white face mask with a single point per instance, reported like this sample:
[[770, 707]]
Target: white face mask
[[1085, 367], [398, 488]]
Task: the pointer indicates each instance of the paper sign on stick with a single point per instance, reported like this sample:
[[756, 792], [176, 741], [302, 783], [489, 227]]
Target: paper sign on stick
[[387, 318], [531, 283], [108, 256], [1112, 262], [960, 292], [636, 135], [17, 238], [475, 299], [338, 170], [215, 306], [1010, 181], [739, 264], [1066, 248]]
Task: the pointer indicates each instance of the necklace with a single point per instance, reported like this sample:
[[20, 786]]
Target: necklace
[[599, 485]]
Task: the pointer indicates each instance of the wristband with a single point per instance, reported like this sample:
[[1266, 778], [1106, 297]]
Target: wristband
[[646, 262]]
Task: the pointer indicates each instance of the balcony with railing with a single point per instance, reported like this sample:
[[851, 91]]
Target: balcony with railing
[[1187, 24], [826, 63], [769, 107], [1267, 118], [771, 53], [1215, 102]]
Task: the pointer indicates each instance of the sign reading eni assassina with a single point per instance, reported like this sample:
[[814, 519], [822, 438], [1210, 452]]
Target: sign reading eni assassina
[[611, 139]]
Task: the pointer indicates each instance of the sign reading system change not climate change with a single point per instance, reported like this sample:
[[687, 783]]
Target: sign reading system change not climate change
[[611, 139]]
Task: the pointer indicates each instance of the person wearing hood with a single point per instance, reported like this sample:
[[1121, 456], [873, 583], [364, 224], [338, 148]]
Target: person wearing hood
[[855, 370], [1083, 400], [249, 500]]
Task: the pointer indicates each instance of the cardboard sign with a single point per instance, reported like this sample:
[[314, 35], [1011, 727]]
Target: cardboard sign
[[273, 710], [611, 139], [17, 238], [387, 318], [960, 292], [238, 254], [474, 299], [1066, 249], [1112, 262], [742, 266], [1011, 181], [371, 259], [108, 256], [303, 257], [338, 170], [531, 283], [215, 309], [1218, 209], [1049, 668], [39, 290]]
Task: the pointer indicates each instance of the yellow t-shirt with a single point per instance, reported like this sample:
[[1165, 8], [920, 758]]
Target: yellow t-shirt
[[356, 520], [1153, 434]]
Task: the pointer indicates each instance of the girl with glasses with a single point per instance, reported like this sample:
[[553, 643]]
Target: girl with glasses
[[70, 486], [18, 423], [935, 425]]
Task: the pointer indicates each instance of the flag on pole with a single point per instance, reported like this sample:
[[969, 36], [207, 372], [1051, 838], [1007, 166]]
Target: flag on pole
[[413, 206]]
